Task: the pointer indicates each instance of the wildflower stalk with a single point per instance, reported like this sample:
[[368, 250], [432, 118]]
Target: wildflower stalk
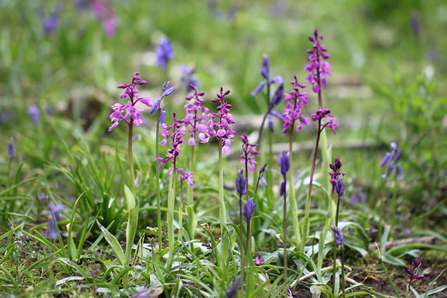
[[171, 203], [323, 234], [285, 230], [180, 213], [241, 227], [157, 140], [293, 204], [306, 223], [222, 209], [190, 193]]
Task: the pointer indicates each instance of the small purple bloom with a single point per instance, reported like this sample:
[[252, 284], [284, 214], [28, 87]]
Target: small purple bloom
[[56, 209], [340, 186], [232, 214], [413, 272], [336, 168], [290, 294], [391, 158], [415, 24], [52, 233], [34, 112], [338, 236], [186, 176], [249, 208], [259, 260], [165, 52], [233, 289], [105, 13], [50, 24], [284, 162], [261, 175], [176, 136], [241, 183], [11, 149], [188, 79], [42, 197]]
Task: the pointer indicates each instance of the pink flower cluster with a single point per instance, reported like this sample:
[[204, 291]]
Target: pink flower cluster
[[295, 101], [196, 114], [248, 152], [317, 68], [129, 113], [176, 136], [222, 129], [320, 114]]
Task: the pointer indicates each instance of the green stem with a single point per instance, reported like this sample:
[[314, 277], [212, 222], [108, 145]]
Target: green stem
[[382, 206], [343, 282], [323, 234], [334, 255], [180, 213], [292, 199], [222, 209], [132, 182], [190, 194], [171, 203], [306, 223], [241, 226], [157, 133], [285, 229]]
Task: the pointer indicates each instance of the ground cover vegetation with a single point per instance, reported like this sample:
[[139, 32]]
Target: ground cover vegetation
[[223, 149]]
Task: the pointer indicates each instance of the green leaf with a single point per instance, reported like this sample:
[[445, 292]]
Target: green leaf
[[192, 221], [113, 243]]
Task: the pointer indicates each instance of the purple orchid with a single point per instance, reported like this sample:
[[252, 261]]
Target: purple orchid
[[178, 131], [336, 167], [295, 101], [317, 68], [320, 114], [222, 129], [196, 115], [259, 260], [129, 113], [413, 272], [248, 152]]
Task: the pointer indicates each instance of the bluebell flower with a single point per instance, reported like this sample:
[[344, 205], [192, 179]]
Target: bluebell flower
[[249, 208], [391, 158], [187, 79], [284, 162], [340, 186], [233, 289], [34, 112], [165, 52], [11, 149], [338, 236], [261, 174], [241, 183], [56, 209], [265, 72]]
